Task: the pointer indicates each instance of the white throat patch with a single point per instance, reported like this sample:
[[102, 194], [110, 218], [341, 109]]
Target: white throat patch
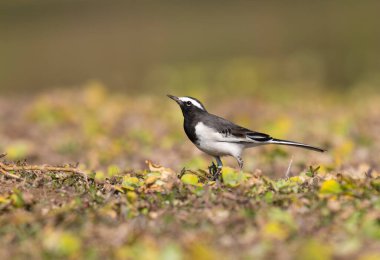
[[193, 101]]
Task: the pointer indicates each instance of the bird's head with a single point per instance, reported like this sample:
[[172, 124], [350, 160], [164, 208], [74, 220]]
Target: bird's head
[[188, 104]]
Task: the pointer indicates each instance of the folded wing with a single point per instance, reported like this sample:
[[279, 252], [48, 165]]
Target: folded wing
[[229, 132]]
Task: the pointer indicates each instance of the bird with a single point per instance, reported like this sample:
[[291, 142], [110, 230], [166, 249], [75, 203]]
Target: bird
[[219, 137]]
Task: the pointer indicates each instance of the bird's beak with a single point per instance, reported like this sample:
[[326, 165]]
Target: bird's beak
[[176, 99]]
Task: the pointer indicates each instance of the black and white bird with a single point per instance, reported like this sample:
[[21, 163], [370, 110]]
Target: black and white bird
[[219, 137]]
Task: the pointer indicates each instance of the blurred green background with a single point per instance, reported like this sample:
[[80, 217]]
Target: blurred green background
[[176, 46]]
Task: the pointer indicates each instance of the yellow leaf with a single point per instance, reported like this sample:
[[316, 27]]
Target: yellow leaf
[[275, 230], [3, 200], [100, 175], [18, 150], [314, 250], [113, 170], [151, 179], [189, 178], [165, 172], [370, 256], [118, 188], [62, 243], [94, 94], [296, 179], [201, 251], [343, 151], [131, 196], [330, 187]]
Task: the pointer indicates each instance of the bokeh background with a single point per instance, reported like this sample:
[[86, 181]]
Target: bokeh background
[[83, 84], [149, 46], [85, 81]]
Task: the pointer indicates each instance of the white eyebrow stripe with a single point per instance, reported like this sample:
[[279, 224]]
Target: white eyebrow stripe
[[194, 102]]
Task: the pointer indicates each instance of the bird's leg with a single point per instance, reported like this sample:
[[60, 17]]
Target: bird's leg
[[240, 162], [219, 168], [212, 169]]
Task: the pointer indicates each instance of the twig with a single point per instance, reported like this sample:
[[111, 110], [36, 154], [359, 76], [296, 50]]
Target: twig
[[288, 170], [198, 174], [368, 173], [3, 155], [10, 175], [7, 168]]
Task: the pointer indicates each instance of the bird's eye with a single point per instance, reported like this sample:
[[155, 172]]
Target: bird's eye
[[188, 103]]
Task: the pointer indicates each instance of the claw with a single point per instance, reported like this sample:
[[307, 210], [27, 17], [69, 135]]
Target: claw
[[212, 169], [217, 175]]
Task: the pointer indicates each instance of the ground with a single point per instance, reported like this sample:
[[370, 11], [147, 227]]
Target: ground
[[90, 174]]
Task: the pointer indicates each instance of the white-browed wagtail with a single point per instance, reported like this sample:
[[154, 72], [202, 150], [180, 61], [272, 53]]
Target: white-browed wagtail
[[218, 137]]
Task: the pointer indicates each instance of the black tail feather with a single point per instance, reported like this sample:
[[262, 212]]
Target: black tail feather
[[291, 143]]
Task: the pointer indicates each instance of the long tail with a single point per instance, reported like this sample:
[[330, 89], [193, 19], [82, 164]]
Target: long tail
[[290, 143]]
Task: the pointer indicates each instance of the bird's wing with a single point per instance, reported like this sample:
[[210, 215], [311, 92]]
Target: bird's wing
[[244, 135], [231, 132]]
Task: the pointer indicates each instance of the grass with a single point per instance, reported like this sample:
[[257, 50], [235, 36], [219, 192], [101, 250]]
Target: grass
[[111, 201]]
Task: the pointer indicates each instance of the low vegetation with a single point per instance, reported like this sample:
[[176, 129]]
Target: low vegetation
[[113, 200]]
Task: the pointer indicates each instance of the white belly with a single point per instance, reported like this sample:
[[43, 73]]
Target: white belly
[[214, 143], [220, 148]]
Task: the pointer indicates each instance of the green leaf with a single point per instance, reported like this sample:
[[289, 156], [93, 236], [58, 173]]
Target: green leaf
[[17, 199], [231, 177], [268, 197], [376, 184], [130, 183], [312, 171]]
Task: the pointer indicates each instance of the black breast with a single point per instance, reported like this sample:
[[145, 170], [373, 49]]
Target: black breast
[[189, 127]]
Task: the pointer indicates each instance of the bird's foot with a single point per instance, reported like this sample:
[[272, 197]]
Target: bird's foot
[[217, 175], [215, 171], [212, 169]]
